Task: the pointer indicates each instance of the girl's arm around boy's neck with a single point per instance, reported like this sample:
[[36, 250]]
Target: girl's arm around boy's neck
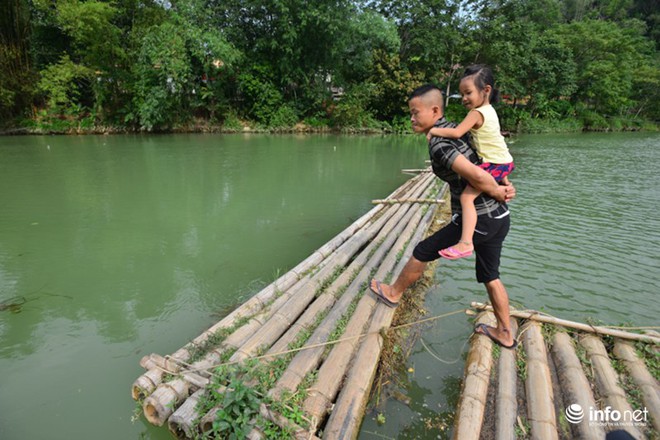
[[474, 119]]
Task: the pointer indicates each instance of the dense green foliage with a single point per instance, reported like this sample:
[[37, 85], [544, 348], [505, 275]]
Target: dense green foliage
[[69, 65]]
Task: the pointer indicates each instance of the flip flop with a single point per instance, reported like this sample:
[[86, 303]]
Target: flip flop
[[484, 331], [379, 294], [451, 253]]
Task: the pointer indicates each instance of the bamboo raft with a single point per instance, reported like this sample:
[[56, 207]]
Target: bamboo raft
[[300, 355], [310, 344], [530, 392]]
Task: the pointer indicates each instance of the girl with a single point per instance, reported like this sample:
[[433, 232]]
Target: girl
[[477, 89]]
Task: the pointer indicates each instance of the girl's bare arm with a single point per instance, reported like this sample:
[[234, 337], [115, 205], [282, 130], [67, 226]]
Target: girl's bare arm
[[474, 119]]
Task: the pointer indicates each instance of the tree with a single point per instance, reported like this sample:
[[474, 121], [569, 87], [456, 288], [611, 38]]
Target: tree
[[177, 61], [295, 40], [16, 77], [151, 64], [606, 56], [392, 84], [507, 35], [433, 34], [369, 35], [549, 75]]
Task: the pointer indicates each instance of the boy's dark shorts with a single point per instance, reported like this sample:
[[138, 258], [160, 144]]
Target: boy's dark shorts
[[488, 238]]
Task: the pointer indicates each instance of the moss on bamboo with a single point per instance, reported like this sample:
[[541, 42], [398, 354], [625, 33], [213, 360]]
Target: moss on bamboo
[[632, 391], [340, 326], [198, 351], [342, 289], [327, 282], [521, 364], [523, 428], [650, 354], [548, 332]]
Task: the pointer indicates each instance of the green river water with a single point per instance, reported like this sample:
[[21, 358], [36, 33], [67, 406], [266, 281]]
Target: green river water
[[113, 247]]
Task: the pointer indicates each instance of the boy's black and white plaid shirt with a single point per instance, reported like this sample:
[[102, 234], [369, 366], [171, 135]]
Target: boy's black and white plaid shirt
[[443, 153]]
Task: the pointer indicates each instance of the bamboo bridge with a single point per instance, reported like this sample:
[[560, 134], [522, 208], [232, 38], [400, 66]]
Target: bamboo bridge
[[298, 359]]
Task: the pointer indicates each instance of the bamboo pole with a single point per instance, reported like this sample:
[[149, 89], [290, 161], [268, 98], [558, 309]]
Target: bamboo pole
[[538, 386], [408, 184], [346, 416], [472, 403], [172, 393], [180, 423], [416, 170], [145, 384], [574, 384], [155, 360], [648, 386], [607, 380], [538, 316], [506, 403], [411, 200]]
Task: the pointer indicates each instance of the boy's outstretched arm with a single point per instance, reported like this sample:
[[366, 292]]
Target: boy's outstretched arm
[[474, 118]]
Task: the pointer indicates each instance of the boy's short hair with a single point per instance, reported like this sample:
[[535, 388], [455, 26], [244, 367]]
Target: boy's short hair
[[424, 90]]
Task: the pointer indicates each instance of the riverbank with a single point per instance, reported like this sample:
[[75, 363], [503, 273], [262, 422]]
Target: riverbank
[[70, 126], [194, 127]]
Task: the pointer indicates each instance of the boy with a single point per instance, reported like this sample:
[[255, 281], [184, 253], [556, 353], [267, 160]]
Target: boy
[[457, 164]]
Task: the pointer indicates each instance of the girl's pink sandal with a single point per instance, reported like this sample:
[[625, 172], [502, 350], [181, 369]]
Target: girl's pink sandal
[[451, 253]]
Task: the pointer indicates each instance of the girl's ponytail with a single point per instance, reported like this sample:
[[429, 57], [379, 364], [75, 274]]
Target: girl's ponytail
[[494, 97]]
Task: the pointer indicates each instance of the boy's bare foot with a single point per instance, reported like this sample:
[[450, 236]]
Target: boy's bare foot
[[384, 293], [503, 338]]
